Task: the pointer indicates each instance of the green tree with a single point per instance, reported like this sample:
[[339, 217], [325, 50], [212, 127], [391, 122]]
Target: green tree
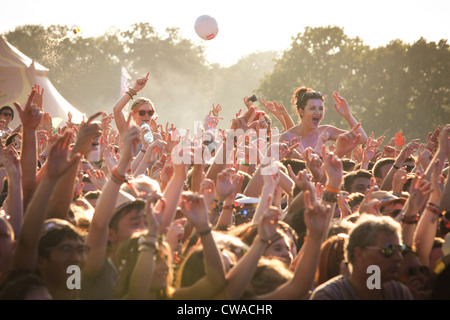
[[389, 88], [320, 58]]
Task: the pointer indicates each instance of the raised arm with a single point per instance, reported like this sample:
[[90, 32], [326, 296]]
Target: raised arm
[[173, 190], [240, 275], [426, 228], [98, 230], [30, 116], [280, 112], [407, 151], [342, 107], [11, 162], [140, 280], [194, 207], [58, 163], [420, 190], [119, 118], [317, 217], [60, 203]]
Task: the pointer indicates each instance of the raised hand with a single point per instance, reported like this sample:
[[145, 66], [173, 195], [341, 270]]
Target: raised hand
[[87, 131], [194, 208], [347, 141], [98, 178], [303, 180], [140, 83], [399, 180], [129, 143], [224, 185], [245, 121], [30, 115], [313, 163], [58, 161], [316, 217], [273, 107], [333, 169], [210, 122], [407, 151], [341, 105], [419, 191], [216, 109], [10, 160], [208, 190], [267, 226], [38, 97], [153, 214]]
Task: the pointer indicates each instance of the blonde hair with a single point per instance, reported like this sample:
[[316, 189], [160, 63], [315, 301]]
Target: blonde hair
[[140, 101]]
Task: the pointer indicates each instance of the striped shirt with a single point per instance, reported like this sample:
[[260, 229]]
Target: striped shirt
[[339, 288]]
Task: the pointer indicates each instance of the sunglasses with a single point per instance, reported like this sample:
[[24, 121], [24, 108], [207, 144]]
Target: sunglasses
[[388, 249], [149, 112], [6, 114], [311, 95]]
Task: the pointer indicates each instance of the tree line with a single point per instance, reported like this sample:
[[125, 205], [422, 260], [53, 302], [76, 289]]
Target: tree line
[[394, 87]]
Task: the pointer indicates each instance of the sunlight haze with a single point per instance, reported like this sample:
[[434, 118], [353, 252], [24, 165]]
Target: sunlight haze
[[245, 26]]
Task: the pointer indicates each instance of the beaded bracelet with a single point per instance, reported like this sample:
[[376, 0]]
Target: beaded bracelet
[[129, 95], [434, 210], [434, 205], [410, 219]]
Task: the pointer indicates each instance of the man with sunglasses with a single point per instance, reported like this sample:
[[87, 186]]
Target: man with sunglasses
[[374, 255], [6, 116]]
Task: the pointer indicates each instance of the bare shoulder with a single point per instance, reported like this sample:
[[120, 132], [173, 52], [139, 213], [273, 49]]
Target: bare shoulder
[[288, 135], [332, 131]]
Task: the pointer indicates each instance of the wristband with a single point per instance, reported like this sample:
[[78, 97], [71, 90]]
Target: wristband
[[434, 210], [145, 244], [434, 205], [132, 91], [117, 177], [129, 95], [332, 190], [410, 219]]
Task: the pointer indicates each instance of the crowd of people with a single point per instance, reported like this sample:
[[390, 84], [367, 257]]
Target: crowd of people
[[121, 206]]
